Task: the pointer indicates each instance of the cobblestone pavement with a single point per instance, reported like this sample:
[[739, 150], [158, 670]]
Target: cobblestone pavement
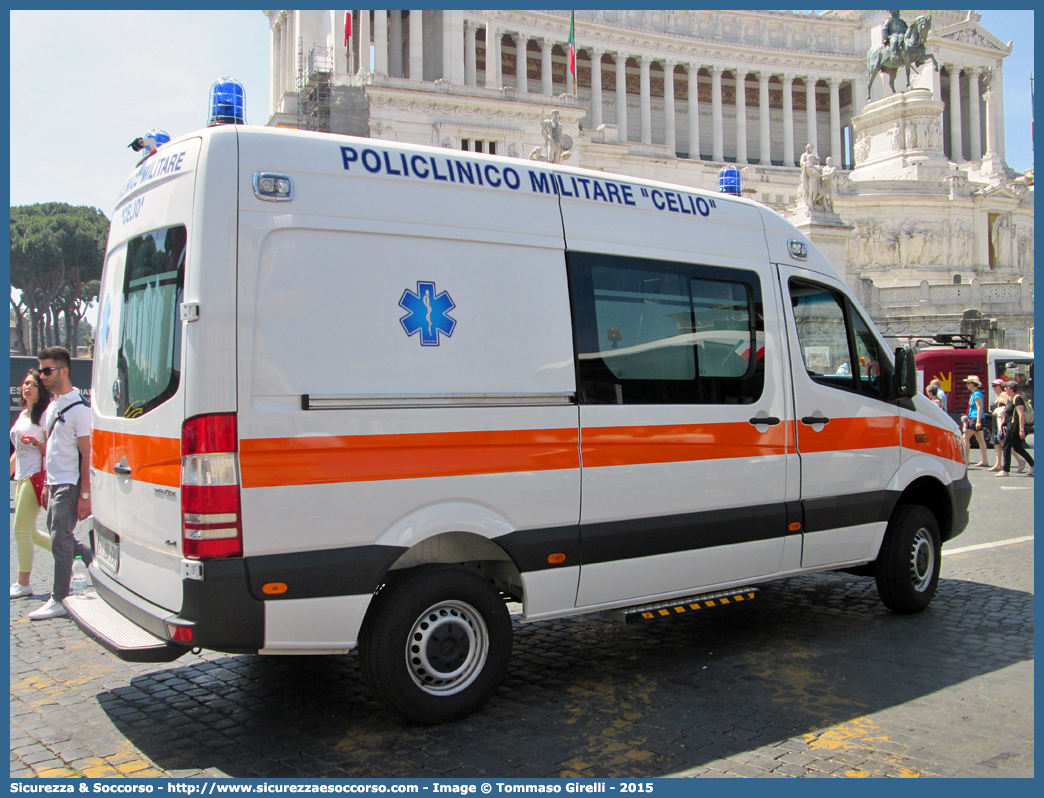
[[814, 678]]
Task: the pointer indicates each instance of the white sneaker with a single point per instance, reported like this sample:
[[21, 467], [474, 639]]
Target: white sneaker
[[17, 590], [52, 609], [1003, 474]]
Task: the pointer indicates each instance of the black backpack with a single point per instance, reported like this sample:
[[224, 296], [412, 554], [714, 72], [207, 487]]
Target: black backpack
[[60, 418]]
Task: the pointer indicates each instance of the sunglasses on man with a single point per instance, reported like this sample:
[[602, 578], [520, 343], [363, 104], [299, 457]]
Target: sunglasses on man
[[46, 370]]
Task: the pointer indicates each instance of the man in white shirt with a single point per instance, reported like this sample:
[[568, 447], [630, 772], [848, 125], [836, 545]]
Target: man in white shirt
[[67, 459]]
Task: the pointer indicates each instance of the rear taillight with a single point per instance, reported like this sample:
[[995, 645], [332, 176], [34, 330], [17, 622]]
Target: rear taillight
[[211, 525]]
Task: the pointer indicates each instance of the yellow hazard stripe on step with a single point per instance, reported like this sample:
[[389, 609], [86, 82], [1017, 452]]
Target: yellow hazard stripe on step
[[663, 612]]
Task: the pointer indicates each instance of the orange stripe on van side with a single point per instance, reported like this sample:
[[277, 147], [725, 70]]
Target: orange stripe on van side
[[153, 460], [933, 440], [101, 450], [675, 443], [873, 432], [269, 462]]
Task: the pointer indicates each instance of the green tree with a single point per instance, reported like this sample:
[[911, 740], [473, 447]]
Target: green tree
[[56, 261]]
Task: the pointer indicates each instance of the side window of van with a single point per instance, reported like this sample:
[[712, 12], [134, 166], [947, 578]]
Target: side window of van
[[837, 346], [658, 332], [149, 355], [868, 356]]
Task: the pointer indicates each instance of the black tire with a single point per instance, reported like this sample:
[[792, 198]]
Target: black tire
[[436, 644], [910, 558]]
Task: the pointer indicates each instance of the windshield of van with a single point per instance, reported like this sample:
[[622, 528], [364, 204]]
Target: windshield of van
[[149, 356]]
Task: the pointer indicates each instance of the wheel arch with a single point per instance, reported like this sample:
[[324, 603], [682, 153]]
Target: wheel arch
[[468, 550], [929, 492]]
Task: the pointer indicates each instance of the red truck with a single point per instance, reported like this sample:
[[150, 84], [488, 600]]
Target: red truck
[[950, 359]]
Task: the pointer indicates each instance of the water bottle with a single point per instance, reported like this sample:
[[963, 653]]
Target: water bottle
[[79, 577]]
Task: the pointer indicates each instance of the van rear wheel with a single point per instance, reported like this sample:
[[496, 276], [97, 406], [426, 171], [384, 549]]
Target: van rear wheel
[[910, 559], [436, 644]]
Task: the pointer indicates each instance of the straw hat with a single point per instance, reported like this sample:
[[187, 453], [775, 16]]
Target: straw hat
[[973, 378]]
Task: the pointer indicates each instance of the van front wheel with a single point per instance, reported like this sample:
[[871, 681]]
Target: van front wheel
[[908, 565], [437, 644]]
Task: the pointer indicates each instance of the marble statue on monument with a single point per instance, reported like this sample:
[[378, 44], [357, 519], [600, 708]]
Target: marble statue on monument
[[557, 144], [902, 46], [816, 192]]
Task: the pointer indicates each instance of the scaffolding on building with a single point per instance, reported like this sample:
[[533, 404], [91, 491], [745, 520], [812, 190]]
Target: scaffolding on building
[[314, 70]]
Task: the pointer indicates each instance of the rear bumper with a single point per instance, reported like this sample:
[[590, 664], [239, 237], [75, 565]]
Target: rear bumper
[[219, 610]]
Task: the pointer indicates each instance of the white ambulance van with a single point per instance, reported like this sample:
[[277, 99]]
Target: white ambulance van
[[350, 393]]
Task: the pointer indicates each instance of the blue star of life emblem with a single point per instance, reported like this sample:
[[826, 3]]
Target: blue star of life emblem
[[428, 313]]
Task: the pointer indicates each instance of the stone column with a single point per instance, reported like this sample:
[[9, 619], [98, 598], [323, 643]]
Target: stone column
[[991, 122], [741, 115], [810, 112], [596, 86], [380, 41], [764, 118], [470, 59], [694, 111], [395, 44], [453, 46], [416, 45], [835, 121], [788, 120], [273, 68], [974, 119], [717, 117], [492, 54], [499, 43], [956, 142], [645, 98], [546, 84], [997, 84], [290, 54], [669, 131], [521, 79], [621, 96], [364, 42]]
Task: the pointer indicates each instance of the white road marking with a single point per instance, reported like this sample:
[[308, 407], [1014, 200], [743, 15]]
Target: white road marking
[[1016, 487], [993, 545]]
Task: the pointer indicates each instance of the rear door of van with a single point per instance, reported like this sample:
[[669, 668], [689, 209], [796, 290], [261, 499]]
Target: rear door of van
[[138, 389]]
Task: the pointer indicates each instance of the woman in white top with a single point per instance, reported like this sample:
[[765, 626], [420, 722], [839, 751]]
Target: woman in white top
[[26, 461]]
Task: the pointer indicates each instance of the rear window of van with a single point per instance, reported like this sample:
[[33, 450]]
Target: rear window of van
[[149, 354]]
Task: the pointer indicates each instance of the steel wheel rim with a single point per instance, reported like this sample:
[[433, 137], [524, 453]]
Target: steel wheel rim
[[447, 648], [922, 560]]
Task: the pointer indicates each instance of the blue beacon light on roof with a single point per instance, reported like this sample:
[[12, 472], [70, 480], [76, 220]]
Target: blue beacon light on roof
[[226, 103], [729, 180]]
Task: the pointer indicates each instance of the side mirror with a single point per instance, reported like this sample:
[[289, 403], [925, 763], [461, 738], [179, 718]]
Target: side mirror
[[905, 372]]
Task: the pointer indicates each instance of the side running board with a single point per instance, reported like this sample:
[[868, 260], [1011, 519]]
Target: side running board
[[664, 609]]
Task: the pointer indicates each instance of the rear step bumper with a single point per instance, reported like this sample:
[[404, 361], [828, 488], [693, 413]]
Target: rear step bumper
[[124, 638], [664, 609]]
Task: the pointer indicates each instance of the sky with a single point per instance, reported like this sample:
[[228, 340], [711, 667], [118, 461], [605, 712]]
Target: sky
[[84, 84]]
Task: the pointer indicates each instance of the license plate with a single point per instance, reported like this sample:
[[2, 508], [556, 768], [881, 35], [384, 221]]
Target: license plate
[[108, 552]]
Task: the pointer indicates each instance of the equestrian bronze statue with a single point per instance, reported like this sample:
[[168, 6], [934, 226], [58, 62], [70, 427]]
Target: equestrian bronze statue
[[910, 52]]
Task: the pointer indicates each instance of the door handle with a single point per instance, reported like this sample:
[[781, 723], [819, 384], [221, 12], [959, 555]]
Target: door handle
[[769, 420], [812, 420], [122, 470]]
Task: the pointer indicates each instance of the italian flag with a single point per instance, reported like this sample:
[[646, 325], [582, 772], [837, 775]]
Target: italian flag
[[572, 48], [347, 27]]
